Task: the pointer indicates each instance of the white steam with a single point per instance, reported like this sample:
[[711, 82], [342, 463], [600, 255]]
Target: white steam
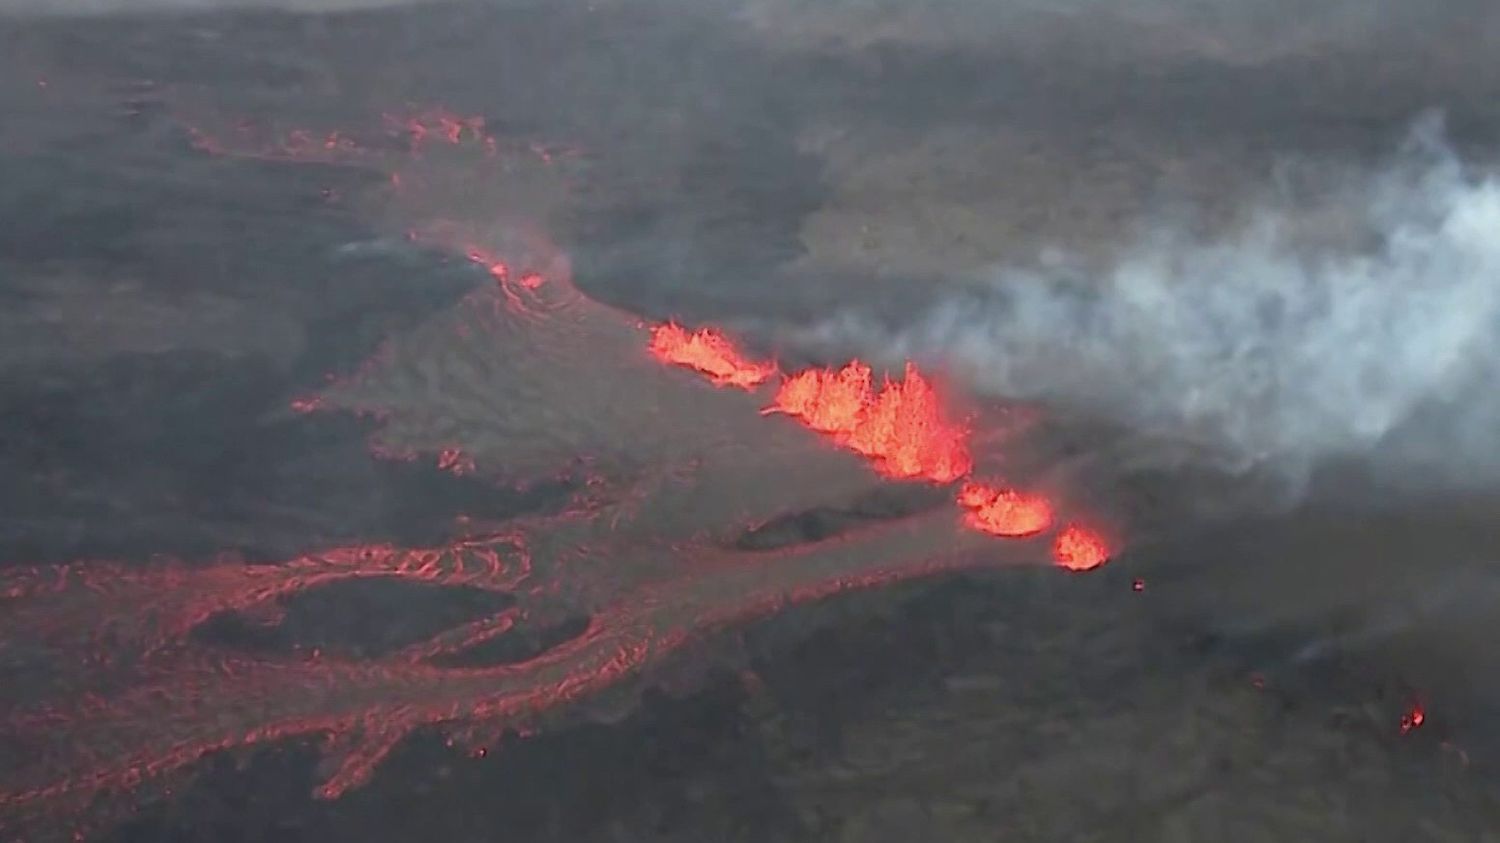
[[1267, 351]]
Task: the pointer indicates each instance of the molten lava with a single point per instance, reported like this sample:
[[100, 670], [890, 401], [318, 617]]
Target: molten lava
[[1004, 512], [827, 401], [901, 426], [709, 352], [1414, 717], [1079, 549], [438, 125], [129, 692], [493, 265], [456, 461]]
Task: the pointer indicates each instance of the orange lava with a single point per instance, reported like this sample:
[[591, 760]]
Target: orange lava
[[1079, 549], [1414, 717], [709, 352], [517, 291], [826, 401], [493, 265], [901, 426], [1004, 512], [438, 125], [456, 461], [166, 700]]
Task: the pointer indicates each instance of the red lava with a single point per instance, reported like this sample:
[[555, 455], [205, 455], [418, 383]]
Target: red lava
[[493, 265], [455, 461], [518, 292], [167, 700], [1413, 719], [441, 126], [709, 352], [1078, 548], [901, 426], [419, 129], [1004, 512]]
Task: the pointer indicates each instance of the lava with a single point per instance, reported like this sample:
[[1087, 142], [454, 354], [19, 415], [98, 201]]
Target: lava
[[1078, 548], [529, 378], [1004, 512], [168, 700], [901, 426], [1413, 718], [709, 352], [827, 401], [456, 461], [252, 140], [518, 292], [438, 125], [492, 264], [410, 133]]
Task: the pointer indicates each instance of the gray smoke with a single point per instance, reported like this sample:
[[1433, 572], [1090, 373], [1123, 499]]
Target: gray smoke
[[1266, 349]]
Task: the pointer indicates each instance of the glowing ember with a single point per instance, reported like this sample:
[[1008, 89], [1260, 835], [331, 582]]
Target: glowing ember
[[901, 427], [1413, 718], [416, 132], [1079, 549], [493, 265], [438, 125], [709, 352], [456, 461], [1004, 512], [517, 291]]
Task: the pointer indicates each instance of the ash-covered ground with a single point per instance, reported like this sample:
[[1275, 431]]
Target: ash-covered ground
[[1239, 254]]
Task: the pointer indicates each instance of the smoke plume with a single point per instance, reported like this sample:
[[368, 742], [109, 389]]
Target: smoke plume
[[1267, 348]]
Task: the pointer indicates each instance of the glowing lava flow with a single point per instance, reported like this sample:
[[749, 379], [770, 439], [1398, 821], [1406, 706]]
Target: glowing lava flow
[[519, 291], [1004, 512], [440, 125], [709, 352], [1413, 718], [107, 686], [419, 129], [900, 427], [1078, 548]]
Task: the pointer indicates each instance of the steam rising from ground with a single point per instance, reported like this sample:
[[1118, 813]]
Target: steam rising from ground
[[1266, 348]]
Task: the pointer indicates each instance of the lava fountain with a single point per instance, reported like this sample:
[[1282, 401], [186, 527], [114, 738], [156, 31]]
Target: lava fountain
[[709, 352], [900, 426], [1004, 512]]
